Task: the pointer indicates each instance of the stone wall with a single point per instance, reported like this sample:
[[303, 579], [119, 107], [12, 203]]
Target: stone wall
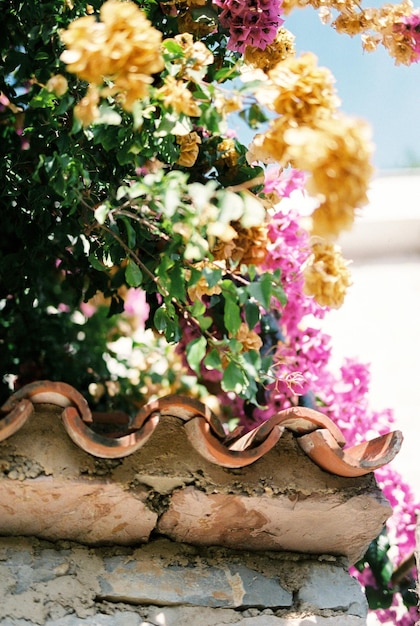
[[164, 537], [164, 583]]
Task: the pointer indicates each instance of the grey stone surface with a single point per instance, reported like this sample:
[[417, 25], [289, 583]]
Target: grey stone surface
[[328, 587], [124, 618], [181, 616], [197, 584], [67, 584]]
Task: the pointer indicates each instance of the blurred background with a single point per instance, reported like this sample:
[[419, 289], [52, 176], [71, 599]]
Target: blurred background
[[379, 322]]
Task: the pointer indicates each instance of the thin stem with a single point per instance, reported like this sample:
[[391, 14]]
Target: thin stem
[[135, 258]]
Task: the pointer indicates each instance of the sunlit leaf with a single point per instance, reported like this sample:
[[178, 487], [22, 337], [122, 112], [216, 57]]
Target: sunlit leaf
[[133, 274], [195, 352]]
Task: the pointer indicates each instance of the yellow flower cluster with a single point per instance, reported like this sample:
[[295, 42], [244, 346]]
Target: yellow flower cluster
[[57, 84], [337, 153], [327, 277], [311, 135], [302, 91], [189, 149], [375, 25], [248, 246], [226, 104], [87, 110], [249, 339], [176, 95], [228, 154], [201, 287], [121, 51], [196, 56], [279, 50]]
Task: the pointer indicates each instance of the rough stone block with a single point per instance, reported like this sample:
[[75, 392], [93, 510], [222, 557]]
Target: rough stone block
[[328, 587], [181, 616], [315, 524], [195, 584]]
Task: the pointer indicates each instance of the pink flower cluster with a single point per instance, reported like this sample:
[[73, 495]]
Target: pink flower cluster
[[284, 183], [250, 22], [409, 26], [304, 351]]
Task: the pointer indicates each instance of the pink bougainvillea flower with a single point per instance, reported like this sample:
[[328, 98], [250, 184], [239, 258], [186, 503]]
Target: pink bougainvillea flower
[[250, 22], [409, 27], [136, 306], [284, 183]]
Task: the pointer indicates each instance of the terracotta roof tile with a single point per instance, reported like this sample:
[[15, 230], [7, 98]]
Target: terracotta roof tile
[[316, 434]]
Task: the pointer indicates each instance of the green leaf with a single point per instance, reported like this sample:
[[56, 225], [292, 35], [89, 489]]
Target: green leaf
[[231, 315], [252, 313], [213, 360], [279, 294], [254, 116], [251, 362], [160, 319], [378, 598], [131, 233], [95, 263], [173, 47], [226, 73], [195, 353], [262, 290], [212, 276], [133, 274], [197, 308], [233, 378], [205, 322], [41, 56], [177, 283]]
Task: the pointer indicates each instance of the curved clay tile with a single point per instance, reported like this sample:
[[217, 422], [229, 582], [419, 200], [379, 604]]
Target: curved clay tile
[[358, 460], [100, 445], [15, 418], [48, 392], [316, 434], [215, 451]]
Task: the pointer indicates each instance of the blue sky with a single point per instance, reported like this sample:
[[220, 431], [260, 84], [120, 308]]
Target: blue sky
[[370, 86]]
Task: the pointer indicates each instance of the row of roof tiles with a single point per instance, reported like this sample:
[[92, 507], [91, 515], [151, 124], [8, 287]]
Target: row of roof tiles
[[315, 433]]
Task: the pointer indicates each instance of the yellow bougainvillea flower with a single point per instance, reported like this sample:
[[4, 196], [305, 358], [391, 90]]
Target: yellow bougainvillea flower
[[279, 50], [226, 104], [327, 276], [337, 152], [201, 287], [175, 94], [123, 49], [300, 90], [57, 84], [196, 56], [189, 149], [228, 154], [249, 339], [87, 110], [249, 246]]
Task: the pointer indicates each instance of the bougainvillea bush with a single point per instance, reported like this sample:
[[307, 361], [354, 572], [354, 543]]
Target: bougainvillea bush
[[147, 249]]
